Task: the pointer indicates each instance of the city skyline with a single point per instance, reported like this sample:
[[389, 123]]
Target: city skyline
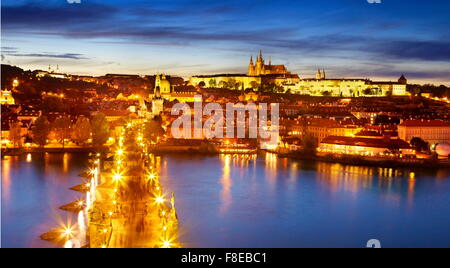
[[188, 37]]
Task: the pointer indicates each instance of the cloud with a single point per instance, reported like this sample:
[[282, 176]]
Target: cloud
[[379, 48], [37, 15], [9, 49], [73, 56]]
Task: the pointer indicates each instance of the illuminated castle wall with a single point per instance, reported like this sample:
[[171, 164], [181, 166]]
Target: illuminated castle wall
[[260, 73]]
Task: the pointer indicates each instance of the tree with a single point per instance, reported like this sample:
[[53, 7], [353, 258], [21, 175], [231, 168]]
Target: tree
[[382, 119], [100, 129], [368, 91], [326, 93], [40, 131], [254, 85], [82, 130], [15, 135], [202, 84], [153, 129], [309, 143], [223, 84], [420, 145], [212, 83], [61, 127]]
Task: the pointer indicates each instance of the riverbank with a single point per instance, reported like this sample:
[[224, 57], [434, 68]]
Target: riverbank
[[367, 161], [20, 151]]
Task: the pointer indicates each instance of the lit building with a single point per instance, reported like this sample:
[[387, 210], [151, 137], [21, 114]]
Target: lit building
[[432, 131], [364, 146], [165, 92], [260, 68], [258, 74], [7, 98], [322, 86], [321, 128]]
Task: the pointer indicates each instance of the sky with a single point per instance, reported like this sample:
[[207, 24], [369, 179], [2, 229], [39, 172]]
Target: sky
[[347, 38]]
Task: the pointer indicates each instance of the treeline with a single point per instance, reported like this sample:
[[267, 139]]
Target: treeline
[[82, 132], [435, 91], [31, 86]]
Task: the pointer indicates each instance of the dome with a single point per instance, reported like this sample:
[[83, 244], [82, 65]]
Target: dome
[[443, 149], [164, 86]]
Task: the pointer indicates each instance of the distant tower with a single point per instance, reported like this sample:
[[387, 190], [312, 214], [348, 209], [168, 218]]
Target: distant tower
[[318, 75], [260, 64], [323, 74], [157, 101], [402, 80], [251, 67]]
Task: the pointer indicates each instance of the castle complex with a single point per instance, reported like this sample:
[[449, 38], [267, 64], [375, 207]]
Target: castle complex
[[260, 75]]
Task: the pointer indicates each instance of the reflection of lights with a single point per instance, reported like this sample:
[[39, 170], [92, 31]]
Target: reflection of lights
[[103, 246], [105, 230], [80, 203], [110, 213], [120, 152], [166, 244]]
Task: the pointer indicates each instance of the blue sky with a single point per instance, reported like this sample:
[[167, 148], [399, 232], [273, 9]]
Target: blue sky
[[349, 38]]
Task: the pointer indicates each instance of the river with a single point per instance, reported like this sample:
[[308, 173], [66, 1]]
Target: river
[[249, 201]]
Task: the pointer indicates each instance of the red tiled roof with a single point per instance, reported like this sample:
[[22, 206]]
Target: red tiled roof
[[424, 123], [366, 142]]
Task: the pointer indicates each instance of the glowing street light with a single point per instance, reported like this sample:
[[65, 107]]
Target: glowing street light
[[151, 176], [117, 177], [159, 200], [67, 232]]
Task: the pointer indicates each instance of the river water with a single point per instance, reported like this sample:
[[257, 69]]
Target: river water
[[249, 201]]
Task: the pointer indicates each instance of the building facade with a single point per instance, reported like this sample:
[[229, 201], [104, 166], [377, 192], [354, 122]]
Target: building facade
[[259, 73], [431, 131], [6, 98]]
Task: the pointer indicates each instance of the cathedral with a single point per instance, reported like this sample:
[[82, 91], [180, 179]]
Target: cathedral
[[260, 68], [260, 74]]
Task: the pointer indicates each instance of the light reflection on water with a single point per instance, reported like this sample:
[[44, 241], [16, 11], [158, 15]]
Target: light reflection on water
[[249, 201]]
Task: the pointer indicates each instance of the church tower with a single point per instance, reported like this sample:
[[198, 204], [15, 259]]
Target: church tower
[[157, 100], [402, 80], [251, 67], [260, 64], [318, 75]]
